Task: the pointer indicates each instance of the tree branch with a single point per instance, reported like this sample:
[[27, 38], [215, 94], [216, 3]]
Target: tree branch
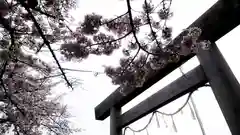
[[133, 29], [151, 29], [80, 70], [120, 38], [10, 99], [46, 42], [50, 76], [11, 33], [2, 120], [44, 13], [134, 57], [50, 129], [114, 19]]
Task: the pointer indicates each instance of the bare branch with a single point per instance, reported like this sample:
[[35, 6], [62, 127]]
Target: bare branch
[[50, 76], [80, 70]]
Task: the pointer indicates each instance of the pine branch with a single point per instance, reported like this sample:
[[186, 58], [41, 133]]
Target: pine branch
[[151, 28], [46, 42], [133, 29]]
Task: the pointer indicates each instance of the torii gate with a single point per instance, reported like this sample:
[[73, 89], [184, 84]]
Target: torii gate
[[221, 18]]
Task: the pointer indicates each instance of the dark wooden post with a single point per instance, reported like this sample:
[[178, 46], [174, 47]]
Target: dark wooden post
[[224, 85], [115, 113]]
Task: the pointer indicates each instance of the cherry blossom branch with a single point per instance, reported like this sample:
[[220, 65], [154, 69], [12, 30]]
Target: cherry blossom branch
[[10, 99], [134, 57], [50, 129], [118, 17], [46, 42], [120, 38], [11, 33], [44, 13]]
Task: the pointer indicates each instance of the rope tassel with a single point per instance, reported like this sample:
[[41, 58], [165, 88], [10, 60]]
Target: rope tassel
[[192, 112], [181, 112], [164, 121], [157, 120], [173, 124], [147, 131]]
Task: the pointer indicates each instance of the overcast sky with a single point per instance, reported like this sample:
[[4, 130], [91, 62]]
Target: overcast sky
[[95, 89]]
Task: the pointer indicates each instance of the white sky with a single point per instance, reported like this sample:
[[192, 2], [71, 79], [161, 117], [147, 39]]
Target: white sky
[[82, 102]]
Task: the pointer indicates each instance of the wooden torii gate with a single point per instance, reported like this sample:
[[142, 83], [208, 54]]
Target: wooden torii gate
[[220, 19]]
